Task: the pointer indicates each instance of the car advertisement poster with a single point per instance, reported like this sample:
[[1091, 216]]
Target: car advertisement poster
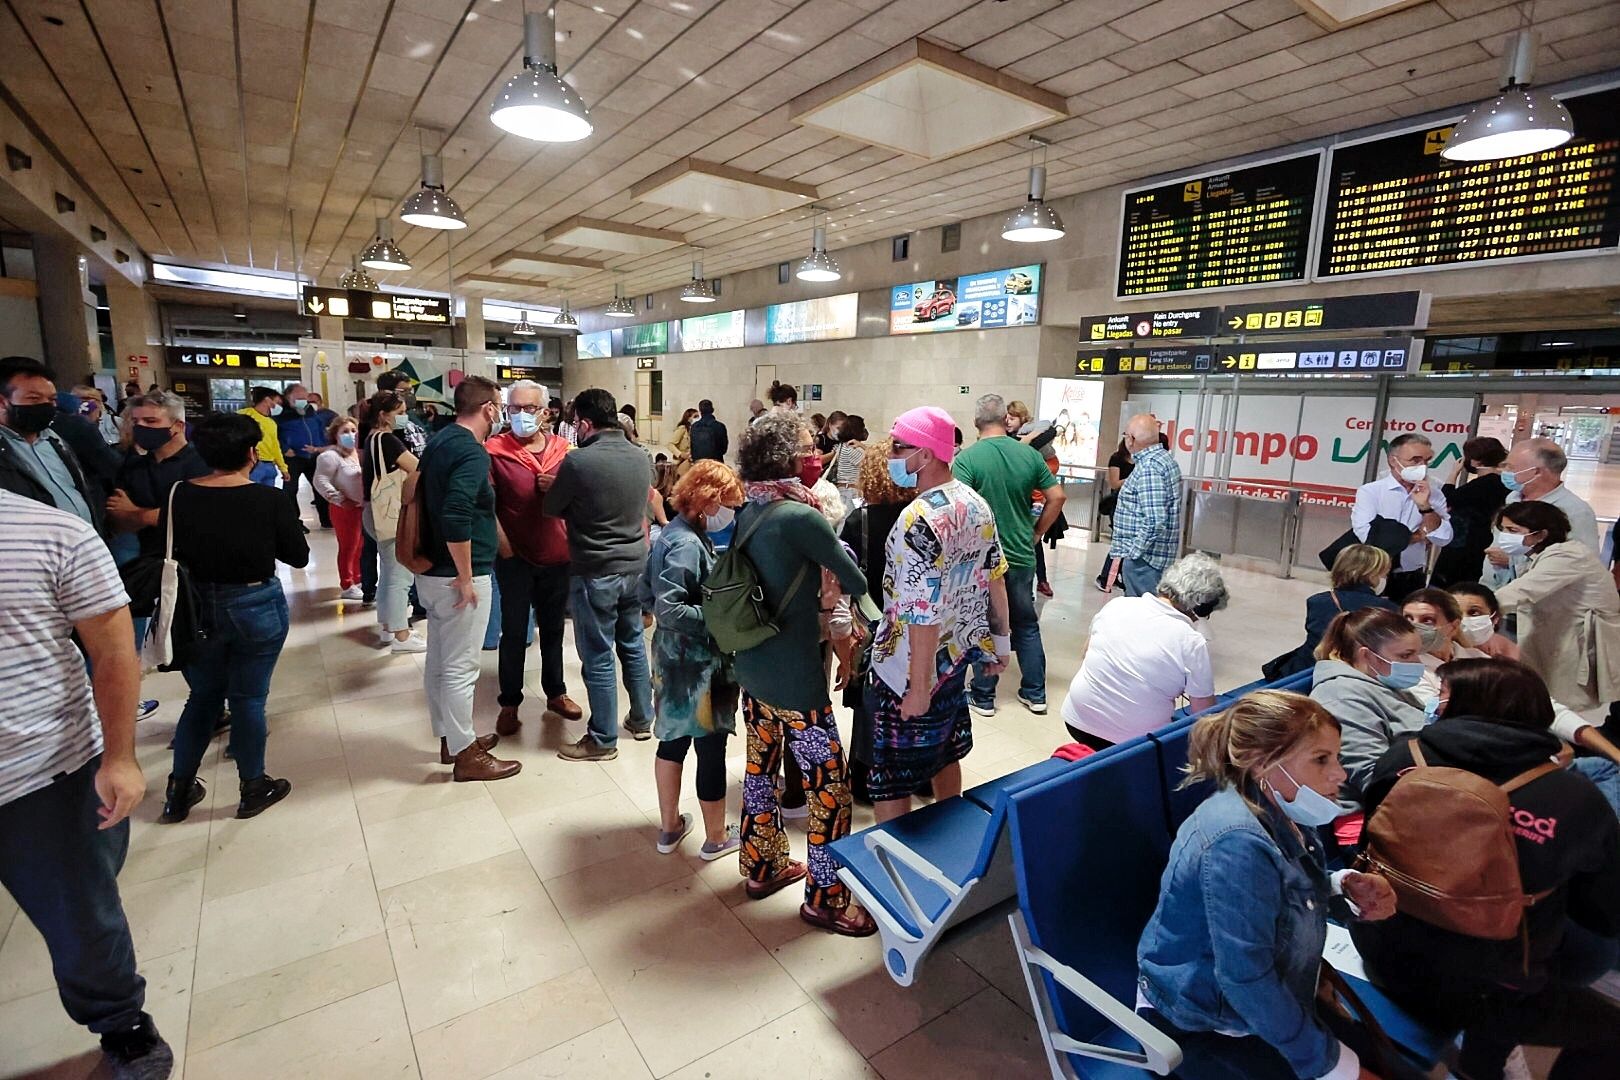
[[825, 318], [990, 300], [597, 346], [722, 330], [1074, 407]]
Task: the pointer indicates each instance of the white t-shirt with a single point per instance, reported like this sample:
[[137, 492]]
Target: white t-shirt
[[57, 572], [1143, 655]]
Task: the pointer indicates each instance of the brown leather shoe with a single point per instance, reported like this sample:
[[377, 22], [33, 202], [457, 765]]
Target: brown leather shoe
[[476, 763], [507, 723], [487, 742], [564, 707]]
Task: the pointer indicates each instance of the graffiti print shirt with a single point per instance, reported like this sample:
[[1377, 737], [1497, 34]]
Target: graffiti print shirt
[[942, 554]]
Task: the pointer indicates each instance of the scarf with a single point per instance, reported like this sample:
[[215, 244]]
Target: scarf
[[506, 446], [765, 492]]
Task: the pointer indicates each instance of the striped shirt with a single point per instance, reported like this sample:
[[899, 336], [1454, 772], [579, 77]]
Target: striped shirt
[[57, 573]]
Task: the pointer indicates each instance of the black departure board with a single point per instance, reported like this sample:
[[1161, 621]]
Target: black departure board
[[1395, 204], [1248, 226]]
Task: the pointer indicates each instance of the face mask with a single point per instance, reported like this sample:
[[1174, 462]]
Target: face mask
[[299, 406], [1378, 586], [1509, 544], [810, 471], [1512, 482], [720, 520], [1428, 636], [1413, 473], [347, 440], [275, 410], [525, 426], [1476, 630], [400, 422], [31, 419], [1431, 711], [151, 438], [1309, 806], [898, 473], [1402, 675]]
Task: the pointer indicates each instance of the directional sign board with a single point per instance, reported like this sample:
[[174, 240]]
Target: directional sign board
[[381, 307], [1372, 311], [233, 360], [1174, 323], [335, 303], [1362, 356]]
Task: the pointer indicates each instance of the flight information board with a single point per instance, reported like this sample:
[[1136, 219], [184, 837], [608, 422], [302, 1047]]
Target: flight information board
[[1247, 226], [1395, 204]]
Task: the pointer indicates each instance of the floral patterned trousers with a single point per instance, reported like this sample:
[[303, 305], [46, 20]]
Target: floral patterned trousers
[[812, 738]]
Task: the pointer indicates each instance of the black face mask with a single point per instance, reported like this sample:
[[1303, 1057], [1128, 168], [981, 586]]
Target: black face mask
[[31, 419], [151, 438]]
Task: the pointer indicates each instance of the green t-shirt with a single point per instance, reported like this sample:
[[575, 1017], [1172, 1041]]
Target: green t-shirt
[[1006, 473]]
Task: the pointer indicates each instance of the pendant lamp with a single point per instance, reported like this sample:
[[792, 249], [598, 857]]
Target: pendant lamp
[[1034, 222], [1517, 121], [382, 253], [429, 207], [697, 291], [535, 103], [524, 326], [621, 307], [356, 277], [565, 318], [818, 265]]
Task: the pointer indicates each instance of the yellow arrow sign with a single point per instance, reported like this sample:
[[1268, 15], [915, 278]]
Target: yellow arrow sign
[[316, 306], [1235, 322], [1228, 361]]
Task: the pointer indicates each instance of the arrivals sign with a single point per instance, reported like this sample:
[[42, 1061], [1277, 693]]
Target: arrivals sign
[[382, 307], [1174, 323], [990, 300], [826, 318], [234, 360]]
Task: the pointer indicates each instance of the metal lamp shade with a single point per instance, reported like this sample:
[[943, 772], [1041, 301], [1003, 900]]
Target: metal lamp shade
[[535, 103], [382, 253], [565, 318], [1517, 121], [1034, 222], [818, 265], [524, 326], [429, 207], [356, 278], [697, 291], [621, 307]]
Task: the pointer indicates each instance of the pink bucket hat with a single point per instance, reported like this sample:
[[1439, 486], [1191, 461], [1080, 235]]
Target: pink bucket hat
[[929, 427]]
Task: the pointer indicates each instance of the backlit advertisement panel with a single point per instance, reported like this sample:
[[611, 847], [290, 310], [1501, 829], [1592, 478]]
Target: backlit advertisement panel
[[825, 318], [1074, 407], [722, 330], [646, 339], [993, 299], [597, 346]]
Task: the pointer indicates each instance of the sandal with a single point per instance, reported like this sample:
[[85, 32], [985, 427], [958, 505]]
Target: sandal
[[759, 890], [851, 922]]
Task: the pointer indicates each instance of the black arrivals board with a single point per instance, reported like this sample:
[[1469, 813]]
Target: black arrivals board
[[1396, 311], [1395, 204], [1170, 323], [1247, 226]]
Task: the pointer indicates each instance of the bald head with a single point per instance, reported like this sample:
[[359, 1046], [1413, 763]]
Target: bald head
[[1142, 431], [756, 406], [1538, 454]]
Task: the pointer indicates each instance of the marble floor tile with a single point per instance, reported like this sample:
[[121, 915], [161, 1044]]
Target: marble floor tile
[[986, 1037], [514, 1029], [467, 937], [592, 887], [605, 1053], [562, 838], [428, 841], [362, 1037], [802, 1043]]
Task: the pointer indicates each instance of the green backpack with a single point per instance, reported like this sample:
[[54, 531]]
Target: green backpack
[[734, 605]]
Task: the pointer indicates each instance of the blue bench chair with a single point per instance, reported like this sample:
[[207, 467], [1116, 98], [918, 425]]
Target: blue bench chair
[[942, 864]]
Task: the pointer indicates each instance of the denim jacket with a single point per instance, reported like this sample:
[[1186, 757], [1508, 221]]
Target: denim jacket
[[1235, 944]]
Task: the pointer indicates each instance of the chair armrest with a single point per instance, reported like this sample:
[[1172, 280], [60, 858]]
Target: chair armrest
[[889, 850]]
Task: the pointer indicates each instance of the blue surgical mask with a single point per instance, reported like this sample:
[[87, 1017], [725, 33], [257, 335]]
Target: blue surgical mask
[[400, 422], [525, 425], [347, 440], [275, 410], [1512, 482], [1431, 710], [1309, 806], [1402, 674], [899, 474]]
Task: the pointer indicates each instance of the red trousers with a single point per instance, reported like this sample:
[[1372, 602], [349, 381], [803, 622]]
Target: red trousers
[[346, 523]]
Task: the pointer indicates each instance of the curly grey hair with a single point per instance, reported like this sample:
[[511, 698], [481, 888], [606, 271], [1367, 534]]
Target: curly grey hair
[[1194, 585], [769, 449]]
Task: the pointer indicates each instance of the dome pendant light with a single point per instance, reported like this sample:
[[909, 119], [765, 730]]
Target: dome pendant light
[[818, 265], [621, 307], [565, 318], [382, 253], [535, 103], [697, 291], [1517, 121], [429, 207], [356, 277], [1034, 222], [524, 326]]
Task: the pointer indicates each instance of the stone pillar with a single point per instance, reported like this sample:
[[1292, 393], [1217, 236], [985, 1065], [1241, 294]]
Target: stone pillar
[[468, 333], [136, 332], [67, 308]]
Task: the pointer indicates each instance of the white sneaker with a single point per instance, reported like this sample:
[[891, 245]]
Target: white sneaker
[[415, 643], [981, 710], [1036, 707], [352, 593]]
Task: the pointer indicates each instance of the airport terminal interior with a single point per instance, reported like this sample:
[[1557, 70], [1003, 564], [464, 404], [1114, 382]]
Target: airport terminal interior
[[1296, 238]]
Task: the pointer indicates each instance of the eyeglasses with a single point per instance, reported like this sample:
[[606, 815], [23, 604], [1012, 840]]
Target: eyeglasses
[[900, 448], [532, 410]]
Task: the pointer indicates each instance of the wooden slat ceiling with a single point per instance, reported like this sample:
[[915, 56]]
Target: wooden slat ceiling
[[200, 123]]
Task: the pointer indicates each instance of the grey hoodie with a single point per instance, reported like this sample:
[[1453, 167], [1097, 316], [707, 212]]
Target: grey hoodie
[[1370, 716]]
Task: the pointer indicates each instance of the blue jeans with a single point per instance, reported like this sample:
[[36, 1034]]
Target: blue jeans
[[1139, 578], [247, 625], [265, 473], [607, 618], [63, 873], [1026, 643]]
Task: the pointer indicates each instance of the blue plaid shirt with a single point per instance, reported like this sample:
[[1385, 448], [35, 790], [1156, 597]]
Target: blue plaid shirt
[[1147, 516]]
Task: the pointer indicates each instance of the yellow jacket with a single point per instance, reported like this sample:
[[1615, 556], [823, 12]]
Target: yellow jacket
[[270, 441]]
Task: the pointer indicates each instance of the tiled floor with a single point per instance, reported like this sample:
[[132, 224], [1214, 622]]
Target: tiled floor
[[384, 922]]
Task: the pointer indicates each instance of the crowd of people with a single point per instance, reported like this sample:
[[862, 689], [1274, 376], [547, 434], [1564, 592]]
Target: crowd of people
[[734, 589]]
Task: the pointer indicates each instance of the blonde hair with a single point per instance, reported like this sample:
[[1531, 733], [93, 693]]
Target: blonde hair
[[706, 482], [1370, 628], [1359, 564], [1020, 410], [872, 482], [1250, 736]]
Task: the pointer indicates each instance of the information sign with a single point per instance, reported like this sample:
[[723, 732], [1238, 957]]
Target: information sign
[[1176, 323], [1327, 356], [1395, 311], [1247, 226], [233, 360]]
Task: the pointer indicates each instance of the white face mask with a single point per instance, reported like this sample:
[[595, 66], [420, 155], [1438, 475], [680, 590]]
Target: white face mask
[[1509, 544], [1378, 586], [1414, 473], [1476, 630], [720, 520]]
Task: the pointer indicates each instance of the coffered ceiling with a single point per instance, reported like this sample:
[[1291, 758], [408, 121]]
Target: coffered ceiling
[[270, 133]]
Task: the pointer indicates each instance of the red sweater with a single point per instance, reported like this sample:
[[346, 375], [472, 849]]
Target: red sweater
[[519, 502]]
